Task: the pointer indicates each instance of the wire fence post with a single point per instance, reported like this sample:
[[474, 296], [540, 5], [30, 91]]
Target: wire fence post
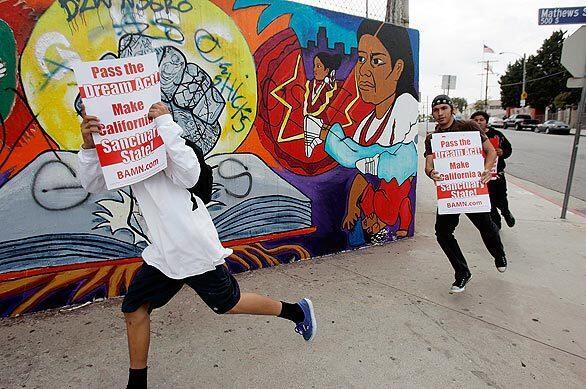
[[397, 12]]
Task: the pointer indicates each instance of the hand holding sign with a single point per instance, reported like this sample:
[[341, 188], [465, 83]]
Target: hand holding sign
[[158, 109], [89, 125], [434, 175], [486, 176]]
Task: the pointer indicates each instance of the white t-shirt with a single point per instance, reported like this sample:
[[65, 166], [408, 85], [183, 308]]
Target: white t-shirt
[[183, 242]]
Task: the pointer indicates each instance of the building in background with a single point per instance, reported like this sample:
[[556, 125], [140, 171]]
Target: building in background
[[494, 109]]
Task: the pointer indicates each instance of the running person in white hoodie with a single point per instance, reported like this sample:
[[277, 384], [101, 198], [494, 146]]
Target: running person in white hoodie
[[184, 249]]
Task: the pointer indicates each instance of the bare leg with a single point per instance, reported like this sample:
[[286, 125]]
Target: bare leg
[[138, 326], [254, 304]]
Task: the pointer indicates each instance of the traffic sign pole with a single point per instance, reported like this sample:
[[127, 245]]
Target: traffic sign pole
[[574, 149], [523, 92], [574, 59]]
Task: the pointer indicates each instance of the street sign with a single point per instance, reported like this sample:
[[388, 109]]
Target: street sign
[[448, 82], [575, 82], [561, 15], [574, 53]]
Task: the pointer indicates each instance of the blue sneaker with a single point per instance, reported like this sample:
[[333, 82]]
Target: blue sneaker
[[308, 327]]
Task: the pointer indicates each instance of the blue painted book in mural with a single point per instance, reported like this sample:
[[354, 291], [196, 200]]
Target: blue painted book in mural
[[249, 200]]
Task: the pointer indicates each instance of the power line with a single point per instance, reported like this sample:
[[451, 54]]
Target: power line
[[535, 79]]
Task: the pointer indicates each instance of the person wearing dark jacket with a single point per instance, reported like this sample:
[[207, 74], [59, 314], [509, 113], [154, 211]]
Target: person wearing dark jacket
[[497, 188], [442, 110]]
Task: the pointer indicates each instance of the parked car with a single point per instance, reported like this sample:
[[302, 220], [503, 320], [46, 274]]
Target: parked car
[[553, 126], [521, 121], [497, 122]]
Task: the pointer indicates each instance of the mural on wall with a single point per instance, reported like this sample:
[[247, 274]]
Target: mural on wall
[[307, 117]]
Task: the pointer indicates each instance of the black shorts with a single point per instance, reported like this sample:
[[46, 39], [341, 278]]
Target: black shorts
[[217, 288]]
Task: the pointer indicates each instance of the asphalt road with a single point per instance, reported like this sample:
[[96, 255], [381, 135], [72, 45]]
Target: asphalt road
[[544, 159]]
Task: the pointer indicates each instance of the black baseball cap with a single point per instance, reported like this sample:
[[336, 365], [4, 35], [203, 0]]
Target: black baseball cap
[[442, 99]]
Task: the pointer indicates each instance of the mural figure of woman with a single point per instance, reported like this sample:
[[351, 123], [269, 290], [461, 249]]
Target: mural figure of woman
[[319, 93], [383, 147]]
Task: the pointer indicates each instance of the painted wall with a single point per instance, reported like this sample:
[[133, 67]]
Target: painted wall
[[307, 116]]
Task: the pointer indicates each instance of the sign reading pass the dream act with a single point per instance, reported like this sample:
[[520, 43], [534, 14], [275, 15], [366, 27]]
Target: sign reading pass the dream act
[[457, 157], [120, 92]]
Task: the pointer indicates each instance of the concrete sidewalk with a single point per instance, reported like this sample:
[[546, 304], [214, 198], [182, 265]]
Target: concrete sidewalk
[[385, 320]]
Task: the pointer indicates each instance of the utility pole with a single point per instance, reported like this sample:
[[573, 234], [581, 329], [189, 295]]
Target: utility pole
[[487, 68], [523, 93], [486, 88], [398, 12], [366, 9]]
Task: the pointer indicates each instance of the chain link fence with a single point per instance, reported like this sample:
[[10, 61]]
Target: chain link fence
[[372, 9]]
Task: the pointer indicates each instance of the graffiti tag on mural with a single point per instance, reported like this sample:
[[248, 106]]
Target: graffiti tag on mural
[[75, 8]]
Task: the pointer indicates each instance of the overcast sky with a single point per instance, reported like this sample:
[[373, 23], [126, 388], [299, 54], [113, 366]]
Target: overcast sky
[[453, 32]]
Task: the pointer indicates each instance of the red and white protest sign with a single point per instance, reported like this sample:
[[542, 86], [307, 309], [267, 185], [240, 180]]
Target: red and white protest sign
[[459, 161], [494, 171], [120, 92]]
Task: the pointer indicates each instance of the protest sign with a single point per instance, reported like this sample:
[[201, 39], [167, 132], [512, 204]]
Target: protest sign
[[494, 171], [120, 92], [458, 160]]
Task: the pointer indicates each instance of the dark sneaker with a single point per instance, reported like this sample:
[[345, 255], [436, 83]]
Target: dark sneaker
[[460, 284], [308, 327], [509, 218], [501, 264]]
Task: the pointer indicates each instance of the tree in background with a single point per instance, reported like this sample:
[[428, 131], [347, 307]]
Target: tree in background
[[460, 103], [478, 105], [547, 62], [567, 99], [546, 78], [511, 85]]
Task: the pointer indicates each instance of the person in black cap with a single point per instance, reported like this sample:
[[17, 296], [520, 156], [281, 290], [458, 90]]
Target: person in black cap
[[445, 225], [497, 187]]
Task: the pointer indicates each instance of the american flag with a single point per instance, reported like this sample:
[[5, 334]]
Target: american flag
[[486, 49]]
